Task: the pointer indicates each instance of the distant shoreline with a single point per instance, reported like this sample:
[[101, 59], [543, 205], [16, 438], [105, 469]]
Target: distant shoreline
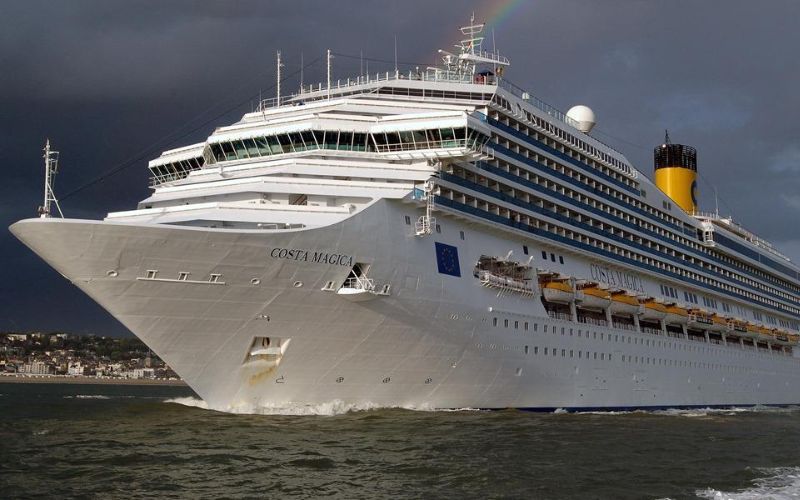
[[56, 379]]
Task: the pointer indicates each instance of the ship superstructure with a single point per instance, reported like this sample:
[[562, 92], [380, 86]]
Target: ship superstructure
[[437, 238]]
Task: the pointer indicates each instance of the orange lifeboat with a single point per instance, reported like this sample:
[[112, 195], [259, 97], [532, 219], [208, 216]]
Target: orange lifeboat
[[720, 323], [558, 291], [593, 297], [653, 311], [676, 315], [622, 303]]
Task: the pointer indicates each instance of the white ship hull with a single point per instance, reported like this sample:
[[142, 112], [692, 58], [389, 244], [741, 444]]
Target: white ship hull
[[431, 340]]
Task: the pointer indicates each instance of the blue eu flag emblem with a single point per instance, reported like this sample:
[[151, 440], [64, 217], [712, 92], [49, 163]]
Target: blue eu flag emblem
[[447, 259]]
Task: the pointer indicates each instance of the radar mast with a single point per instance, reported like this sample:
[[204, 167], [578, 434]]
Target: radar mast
[[50, 171], [471, 53]]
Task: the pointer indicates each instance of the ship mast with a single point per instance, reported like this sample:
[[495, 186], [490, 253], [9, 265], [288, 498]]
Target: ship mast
[[50, 171], [471, 53]]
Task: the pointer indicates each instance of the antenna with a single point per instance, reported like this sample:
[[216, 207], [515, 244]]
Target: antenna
[[362, 62], [279, 77], [329, 57], [50, 171], [666, 137], [395, 56], [301, 72]]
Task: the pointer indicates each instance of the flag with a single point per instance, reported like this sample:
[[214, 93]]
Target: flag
[[447, 260]]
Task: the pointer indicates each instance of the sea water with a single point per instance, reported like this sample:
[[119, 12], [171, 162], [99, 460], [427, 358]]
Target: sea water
[[145, 442]]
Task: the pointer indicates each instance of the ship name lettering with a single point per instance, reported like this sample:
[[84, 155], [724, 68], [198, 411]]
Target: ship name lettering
[[616, 278], [317, 257]]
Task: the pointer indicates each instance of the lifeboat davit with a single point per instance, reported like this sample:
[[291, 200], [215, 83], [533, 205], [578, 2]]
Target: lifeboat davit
[[622, 303], [558, 291], [737, 326], [653, 311], [700, 320], [781, 336], [593, 297], [676, 315]]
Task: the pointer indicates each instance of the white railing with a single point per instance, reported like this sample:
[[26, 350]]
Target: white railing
[[558, 315], [359, 283], [489, 279]]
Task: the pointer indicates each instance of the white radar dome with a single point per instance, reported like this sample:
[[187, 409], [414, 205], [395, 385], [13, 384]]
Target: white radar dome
[[584, 116]]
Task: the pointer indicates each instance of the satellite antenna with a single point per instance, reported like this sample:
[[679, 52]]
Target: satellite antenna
[[50, 171]]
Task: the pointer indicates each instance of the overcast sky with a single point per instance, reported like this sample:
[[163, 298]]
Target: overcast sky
[[113, 83]]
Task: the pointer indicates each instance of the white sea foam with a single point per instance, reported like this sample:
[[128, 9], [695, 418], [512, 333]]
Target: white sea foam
[[329, 408], [87, 396], [780, 483]]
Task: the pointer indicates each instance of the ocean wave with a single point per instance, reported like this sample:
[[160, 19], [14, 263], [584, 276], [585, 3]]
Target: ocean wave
[[706, 412], [779, 483], [329, 408], [87, 396]]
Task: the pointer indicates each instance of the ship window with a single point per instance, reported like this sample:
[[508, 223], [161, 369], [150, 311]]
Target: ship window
[[227, 148], [535, 326], [434, 137], [241, 152], [516, 325], [274, 145], [308, 139], [408, 220], [571, 353], [297, 141], [461, 233], [563, 353], [183, 276], [151, 274], [525, 249], [526, 326], [359, 142], [420, 140], [252, 149], [286, 143], [505, 323], [526, 349], [345, 141], [263, 146], [494, 321], [536, 349], [553, 257], [216, 150], [438, 228], [560, 259], [544, 255], [545, 351]]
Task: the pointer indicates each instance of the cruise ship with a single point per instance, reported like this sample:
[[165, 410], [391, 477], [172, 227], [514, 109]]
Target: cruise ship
[[436, 239]]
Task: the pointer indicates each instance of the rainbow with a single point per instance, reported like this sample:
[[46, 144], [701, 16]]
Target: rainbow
[[497, 12]]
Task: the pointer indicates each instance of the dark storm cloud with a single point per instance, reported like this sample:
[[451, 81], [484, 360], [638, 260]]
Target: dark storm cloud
[[111, 81]]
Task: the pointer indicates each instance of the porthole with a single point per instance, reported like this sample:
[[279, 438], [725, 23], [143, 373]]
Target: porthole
[[255, 281], [340, 380], [112, 273], [386, 380], [297, 284]]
